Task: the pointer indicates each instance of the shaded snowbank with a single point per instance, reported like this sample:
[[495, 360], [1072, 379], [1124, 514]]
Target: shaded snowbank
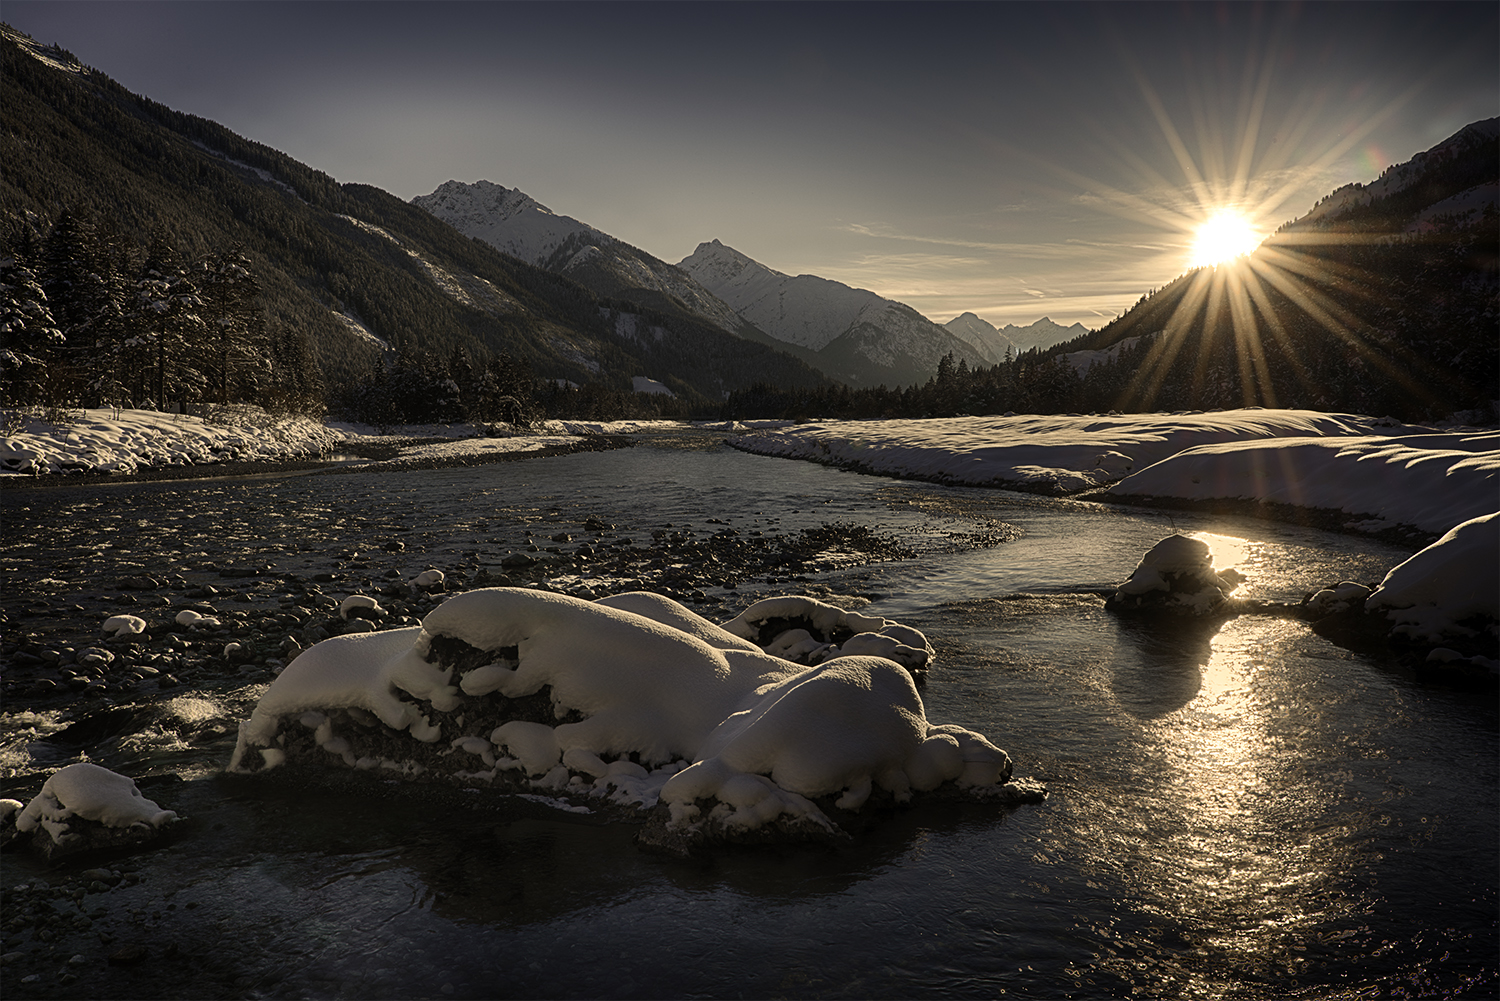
[[1052, 453], [1448, 589], [1430, 481]]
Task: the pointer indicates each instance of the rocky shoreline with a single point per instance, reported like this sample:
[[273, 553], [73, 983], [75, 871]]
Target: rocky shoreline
[[241, 623]]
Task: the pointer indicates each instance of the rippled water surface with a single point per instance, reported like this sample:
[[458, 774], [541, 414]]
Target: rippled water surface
[[1240, 811]]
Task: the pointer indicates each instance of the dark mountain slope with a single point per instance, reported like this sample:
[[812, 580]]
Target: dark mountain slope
[[331, 258]]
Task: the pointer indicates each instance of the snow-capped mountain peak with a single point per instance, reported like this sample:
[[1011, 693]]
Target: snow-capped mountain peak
[[859, 335], [509, 220], [724, 264], [517, 224]]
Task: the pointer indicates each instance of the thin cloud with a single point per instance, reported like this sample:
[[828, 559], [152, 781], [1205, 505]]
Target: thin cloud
[[1028, 249]]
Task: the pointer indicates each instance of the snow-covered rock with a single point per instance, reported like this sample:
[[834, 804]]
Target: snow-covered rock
[[123, 625], [632, 701], [1341, 597], [360, 606], [1177, 575], [84, 807], [809, 631]]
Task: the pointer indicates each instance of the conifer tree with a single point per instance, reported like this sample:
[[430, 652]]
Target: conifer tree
[[168, 309], [236, 358], [28, 335], [103, 328]]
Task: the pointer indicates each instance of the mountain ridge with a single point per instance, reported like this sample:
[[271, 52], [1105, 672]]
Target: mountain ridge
[[517, 224], [862, 337]]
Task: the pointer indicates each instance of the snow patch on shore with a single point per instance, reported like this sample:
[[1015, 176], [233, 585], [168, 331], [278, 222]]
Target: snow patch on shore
[[125, 441]]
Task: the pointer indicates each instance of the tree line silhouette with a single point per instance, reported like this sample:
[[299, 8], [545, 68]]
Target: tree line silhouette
[[90, 318]]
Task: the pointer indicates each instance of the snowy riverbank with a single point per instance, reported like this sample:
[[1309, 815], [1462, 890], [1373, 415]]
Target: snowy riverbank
[[1381, 473], [139, 442], [107, 441]]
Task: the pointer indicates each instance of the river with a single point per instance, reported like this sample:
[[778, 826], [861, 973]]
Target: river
[[1241, 811]]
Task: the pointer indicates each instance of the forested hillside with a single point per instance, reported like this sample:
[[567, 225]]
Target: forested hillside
[[346, 274]]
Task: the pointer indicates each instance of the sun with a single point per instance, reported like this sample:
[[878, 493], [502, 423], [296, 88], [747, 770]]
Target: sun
[[1222, 237]]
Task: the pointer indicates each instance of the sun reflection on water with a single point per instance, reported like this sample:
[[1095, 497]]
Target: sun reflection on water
[[1228, 798]]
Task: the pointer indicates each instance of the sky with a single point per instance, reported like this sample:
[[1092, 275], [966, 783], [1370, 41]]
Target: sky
[[1016, 160]]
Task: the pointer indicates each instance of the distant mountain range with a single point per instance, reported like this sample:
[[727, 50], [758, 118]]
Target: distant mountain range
[[1011, 338], [519, 225], [853, 335], [857, 336]]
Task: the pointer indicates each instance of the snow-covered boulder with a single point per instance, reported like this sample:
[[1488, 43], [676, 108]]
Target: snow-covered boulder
[[191, 619], [123, 625], [85, 807], [634, 705], [809, 631], [429, 580], [1339, 598], [1437, 611], [1452, 581], [360, 606], [1177, 575]]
